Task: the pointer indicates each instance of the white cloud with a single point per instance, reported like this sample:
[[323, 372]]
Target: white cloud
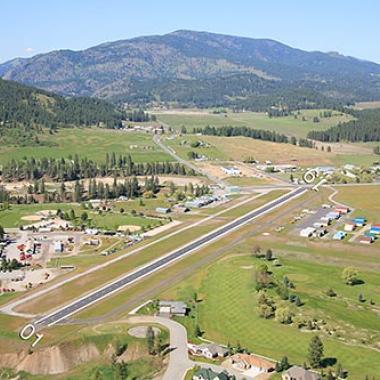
[[29, 50]]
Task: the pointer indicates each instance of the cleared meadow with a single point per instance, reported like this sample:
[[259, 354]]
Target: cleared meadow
[[92, 143]]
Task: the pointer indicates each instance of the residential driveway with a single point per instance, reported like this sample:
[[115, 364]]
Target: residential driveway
[[179, 361]]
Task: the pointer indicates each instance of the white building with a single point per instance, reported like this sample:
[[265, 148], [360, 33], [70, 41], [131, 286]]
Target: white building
[[307, 232], [233, 171]]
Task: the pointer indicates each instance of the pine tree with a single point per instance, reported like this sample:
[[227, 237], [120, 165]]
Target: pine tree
[[315, 352], [150, 338]]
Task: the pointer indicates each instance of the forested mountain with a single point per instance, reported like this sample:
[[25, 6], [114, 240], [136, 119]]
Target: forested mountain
[[201, 68], [24, 111], [365, 127]]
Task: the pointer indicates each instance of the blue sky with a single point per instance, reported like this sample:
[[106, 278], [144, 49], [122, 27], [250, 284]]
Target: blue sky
[[29, 27]]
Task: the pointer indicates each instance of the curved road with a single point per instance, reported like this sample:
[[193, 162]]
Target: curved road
[[179, 362], [162, 262]]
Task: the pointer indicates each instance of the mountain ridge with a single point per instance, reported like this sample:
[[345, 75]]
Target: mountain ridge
[[114, 69]]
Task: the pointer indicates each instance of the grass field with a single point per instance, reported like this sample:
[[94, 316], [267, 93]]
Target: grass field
[[287, 125], [365, 200], [12, 217], [227, 311], [241, 148], [92, 143]]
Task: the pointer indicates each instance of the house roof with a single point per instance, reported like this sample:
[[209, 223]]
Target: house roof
[[209, 374], [206, 374], [299, 373], [215, 349], [254, 361]]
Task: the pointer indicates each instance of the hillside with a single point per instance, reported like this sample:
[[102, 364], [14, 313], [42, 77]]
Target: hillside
[[203, 69], [25, 111]]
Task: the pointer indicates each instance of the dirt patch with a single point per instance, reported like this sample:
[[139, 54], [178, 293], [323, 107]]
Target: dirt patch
[[141, 331], [247, 267], [32, 218], [163, 228], [50, 360], [129, 227]]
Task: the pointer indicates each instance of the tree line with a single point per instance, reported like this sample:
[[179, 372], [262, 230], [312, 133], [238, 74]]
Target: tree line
[[365, 127], [74, 168], [257, 134]]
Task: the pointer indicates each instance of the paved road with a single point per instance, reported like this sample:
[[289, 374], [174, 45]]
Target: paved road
[[162, 262], [179, 362]]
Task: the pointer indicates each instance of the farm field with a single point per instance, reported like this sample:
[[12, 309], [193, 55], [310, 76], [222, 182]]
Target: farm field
[[287, 125], [227, 310], [241, 148], [92, 143]]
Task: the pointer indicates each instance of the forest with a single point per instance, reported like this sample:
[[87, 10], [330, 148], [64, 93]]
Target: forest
[[25, 111], [365, 127], [75, 168], [257, 134]]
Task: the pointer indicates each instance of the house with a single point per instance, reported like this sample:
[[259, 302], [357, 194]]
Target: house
[[299, 373], [244, 362], [342, 209], [339, 235], [209, 374], [170, 308], [233, 171], [209, 350], [360, 221], [307, 232], [365, 239], [350, 226], [163, 210], [325, 170]]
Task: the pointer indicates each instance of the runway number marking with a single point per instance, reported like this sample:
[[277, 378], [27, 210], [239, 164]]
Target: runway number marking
[[28, 331], [310, 176]]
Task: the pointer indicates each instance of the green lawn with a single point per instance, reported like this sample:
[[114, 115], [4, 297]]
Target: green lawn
[[287, 125], [112, 220], [92, 143], [12, 217], [227, 312]]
